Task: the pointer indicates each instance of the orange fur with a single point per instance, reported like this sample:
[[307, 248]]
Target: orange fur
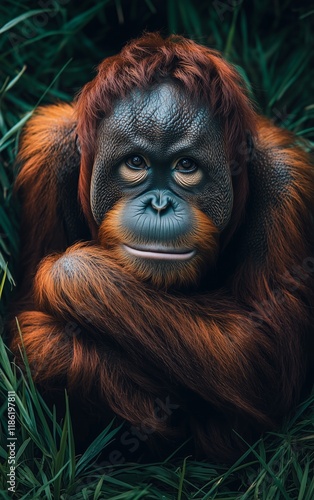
[[232, 358], [46, 135]]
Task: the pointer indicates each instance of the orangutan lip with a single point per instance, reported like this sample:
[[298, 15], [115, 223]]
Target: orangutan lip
[[158, 254]]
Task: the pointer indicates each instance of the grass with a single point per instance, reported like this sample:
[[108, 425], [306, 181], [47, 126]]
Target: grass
[[279, 466], [48, 50]]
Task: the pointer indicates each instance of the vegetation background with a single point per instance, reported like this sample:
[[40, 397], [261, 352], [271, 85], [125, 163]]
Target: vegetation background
[[48, 50]]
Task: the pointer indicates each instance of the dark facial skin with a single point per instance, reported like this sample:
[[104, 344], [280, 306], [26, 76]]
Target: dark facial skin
[[163, 155]]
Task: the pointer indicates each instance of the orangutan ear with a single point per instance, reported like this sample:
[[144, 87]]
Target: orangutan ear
[[78, 145]]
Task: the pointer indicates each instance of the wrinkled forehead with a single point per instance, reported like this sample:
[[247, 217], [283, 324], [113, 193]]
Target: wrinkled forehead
[[163, 109]]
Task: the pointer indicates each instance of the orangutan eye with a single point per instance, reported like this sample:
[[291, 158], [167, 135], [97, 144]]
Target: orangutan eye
[[187, 173], [136, 162], [186, 165], [134, 169]]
